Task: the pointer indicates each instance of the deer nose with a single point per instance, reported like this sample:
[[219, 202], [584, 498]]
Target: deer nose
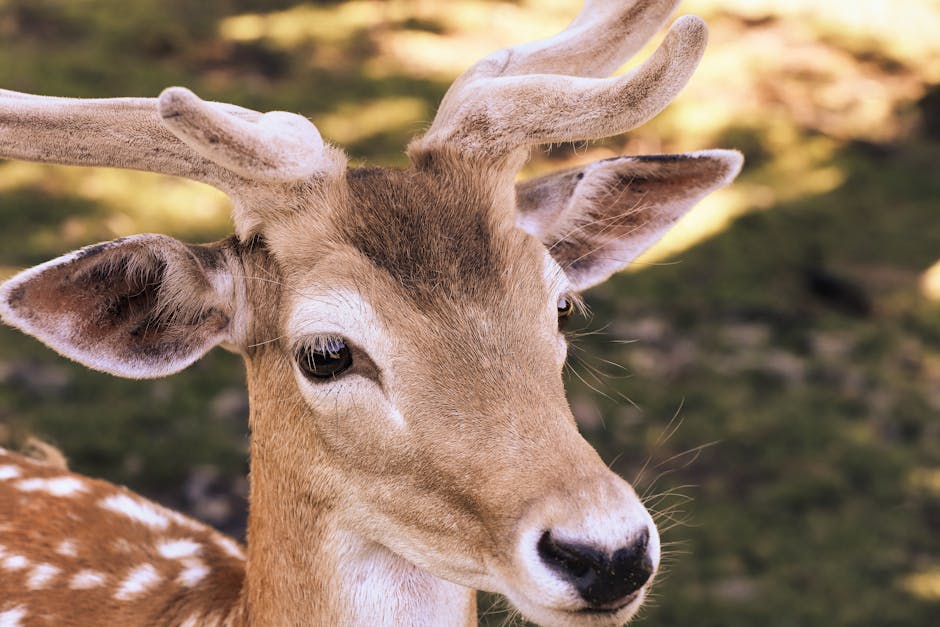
[[601, 578]]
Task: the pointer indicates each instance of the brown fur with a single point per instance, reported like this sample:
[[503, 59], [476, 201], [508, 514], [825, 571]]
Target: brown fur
[[434, 238]]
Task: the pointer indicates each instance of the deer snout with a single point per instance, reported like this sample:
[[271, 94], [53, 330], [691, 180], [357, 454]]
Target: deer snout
[[588, 549], [605, 580]]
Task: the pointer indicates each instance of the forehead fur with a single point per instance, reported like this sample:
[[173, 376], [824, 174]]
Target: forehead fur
[[441, 238]]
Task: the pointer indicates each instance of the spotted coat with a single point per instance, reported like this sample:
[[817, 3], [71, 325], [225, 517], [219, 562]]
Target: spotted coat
[[102, 551]]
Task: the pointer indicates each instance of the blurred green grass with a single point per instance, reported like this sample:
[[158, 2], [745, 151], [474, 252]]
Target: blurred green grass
[[786, 326]]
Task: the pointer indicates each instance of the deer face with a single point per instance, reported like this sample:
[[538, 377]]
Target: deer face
[[446, 420], [419, 330]]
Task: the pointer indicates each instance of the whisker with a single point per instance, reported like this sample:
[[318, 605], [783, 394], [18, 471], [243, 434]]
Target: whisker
[[697, 450]]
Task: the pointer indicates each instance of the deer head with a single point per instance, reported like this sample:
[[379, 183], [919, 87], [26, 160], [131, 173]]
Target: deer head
[[400, 328]]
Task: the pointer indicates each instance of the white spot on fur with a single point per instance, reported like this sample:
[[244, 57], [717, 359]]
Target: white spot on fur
[[9, 472], [67, 548], [175, 549], [184, 521], [137, 582], [86, 579], [195, 620], [57, 486], [136, 509], [229, 546], [13, 617], [195, 571], [191, 621], [397, 417], [41, 575], [15, 562]]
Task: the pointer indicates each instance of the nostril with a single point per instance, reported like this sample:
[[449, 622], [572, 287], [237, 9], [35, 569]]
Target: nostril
[[600, 578], [635, 552], [633, 563], [574, 561]]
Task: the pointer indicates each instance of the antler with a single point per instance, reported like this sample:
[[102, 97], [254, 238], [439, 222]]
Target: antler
[[548, 91], [276, 146], [177, 134]]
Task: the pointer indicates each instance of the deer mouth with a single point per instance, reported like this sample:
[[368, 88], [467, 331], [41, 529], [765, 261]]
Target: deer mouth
[[606, 616], [613, 609]]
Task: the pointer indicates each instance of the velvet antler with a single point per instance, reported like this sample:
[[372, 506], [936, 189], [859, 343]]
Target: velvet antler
[[550, 91], [229, 147]]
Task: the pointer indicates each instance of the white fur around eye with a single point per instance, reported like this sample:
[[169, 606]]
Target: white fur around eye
[[322, 317], [558, 286], [339, 313], [554, 276], [349, 392]]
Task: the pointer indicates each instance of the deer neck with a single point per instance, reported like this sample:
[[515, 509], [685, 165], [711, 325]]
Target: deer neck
[[304, 565]]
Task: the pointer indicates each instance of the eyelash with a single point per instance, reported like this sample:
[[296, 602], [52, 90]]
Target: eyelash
[[567, 306], [324, 357]]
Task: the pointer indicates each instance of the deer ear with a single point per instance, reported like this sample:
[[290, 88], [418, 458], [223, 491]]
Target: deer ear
[[143, 306], [597, 218]]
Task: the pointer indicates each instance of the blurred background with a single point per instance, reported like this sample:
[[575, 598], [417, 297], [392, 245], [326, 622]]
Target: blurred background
[[769, 375]]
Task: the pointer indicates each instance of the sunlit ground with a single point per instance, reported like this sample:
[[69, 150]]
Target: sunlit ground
[[795, 316]]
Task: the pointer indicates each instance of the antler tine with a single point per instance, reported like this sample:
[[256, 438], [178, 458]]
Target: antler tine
[[603, 35], [111, 132], [547, 92], [276, 146]]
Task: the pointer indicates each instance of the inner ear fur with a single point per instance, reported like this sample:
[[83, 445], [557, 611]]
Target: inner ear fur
[[142, 306], [596, 219]]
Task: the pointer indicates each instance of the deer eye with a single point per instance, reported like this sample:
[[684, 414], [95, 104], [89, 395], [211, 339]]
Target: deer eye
[[324, 358], [565, 310]]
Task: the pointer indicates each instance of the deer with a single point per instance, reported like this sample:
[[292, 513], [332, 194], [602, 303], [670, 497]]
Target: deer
[[402, 334]]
